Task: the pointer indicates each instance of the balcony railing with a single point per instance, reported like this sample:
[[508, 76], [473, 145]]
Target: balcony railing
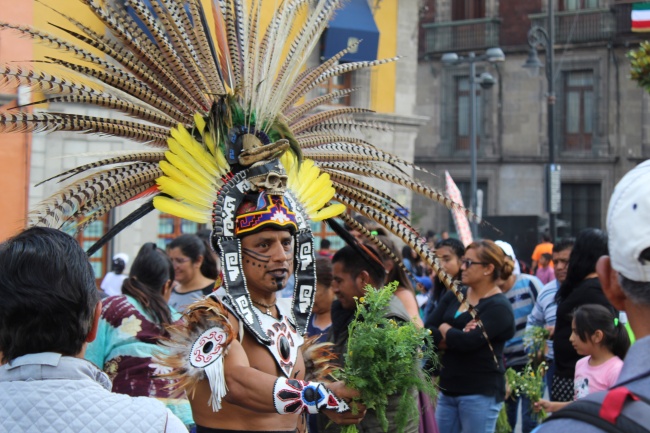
[[623, 16], [586, 25], [463, 35]]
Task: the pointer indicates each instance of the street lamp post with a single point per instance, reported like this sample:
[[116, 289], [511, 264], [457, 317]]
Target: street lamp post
[[486, 81], [546, 37]]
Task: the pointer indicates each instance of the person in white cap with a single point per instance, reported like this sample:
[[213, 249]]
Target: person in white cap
[[112, 283], [625, 278], [521, 290]]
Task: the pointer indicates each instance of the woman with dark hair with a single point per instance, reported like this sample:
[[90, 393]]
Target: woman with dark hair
[[472, 378], [449, 252], [195, 267], [131, 326], [580, 287]]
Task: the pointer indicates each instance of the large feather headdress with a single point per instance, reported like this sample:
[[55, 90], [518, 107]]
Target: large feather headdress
[[213, 94]]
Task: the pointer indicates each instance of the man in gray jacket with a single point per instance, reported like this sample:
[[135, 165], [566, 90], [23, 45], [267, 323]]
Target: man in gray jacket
[[49, 310], [625, 278]]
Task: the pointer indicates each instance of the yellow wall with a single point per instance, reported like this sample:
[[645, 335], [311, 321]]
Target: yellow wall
[[383, 78]]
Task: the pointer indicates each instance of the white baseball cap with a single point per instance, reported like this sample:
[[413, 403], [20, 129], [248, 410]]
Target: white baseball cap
[[628, 224], [123, 256]]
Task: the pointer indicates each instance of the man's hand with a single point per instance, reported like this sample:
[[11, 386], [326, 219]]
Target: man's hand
[[357, 410]]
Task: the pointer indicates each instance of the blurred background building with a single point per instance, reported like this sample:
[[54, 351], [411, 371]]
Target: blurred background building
[[600, 124]]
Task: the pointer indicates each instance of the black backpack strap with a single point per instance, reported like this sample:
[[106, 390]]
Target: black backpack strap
[[634, 416]]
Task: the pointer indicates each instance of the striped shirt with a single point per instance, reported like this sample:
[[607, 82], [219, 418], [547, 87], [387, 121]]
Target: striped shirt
[[544, 311], [522, 297]]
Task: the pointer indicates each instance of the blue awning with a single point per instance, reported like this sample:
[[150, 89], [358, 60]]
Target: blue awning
[[351, 23]]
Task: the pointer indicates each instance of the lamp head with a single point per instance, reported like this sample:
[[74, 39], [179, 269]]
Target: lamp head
[[449, 59], [486, 80], [494, 55], [533, 64]]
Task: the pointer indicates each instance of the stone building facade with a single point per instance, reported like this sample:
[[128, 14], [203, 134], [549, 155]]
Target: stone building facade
[[601, 116]]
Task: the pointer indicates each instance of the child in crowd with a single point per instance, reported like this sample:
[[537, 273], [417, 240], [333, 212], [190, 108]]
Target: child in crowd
[[599, 336], [545, 271]]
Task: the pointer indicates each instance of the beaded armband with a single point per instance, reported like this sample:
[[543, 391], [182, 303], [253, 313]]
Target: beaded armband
[[297, 396]]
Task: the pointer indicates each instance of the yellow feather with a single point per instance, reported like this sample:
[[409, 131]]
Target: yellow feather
[[183, 192], [308, 174], [180, 151], [194, 148], [317, 186], [188, 170], [172, 207], [209, 142], [288, 160], [328, 212], [199, 122], [221, 160], [317, 201], [175, 174]]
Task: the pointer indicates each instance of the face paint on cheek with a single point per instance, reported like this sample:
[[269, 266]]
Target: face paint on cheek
[[262, 259]]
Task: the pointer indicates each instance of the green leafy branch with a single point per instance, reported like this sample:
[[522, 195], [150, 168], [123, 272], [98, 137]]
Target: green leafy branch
[[529, 383], [383, 359], [640, 65]]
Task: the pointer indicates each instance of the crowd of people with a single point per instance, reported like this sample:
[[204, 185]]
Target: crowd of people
[[52, 322]]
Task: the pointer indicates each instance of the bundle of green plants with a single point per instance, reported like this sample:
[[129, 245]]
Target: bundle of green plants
[[535, 339], [503, 425], [384, 358], [529, 383]]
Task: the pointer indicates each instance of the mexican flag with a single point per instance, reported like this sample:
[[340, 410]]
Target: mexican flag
[[641, 17]]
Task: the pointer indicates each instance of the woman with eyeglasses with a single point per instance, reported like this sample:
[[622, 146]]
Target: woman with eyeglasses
[[130, 327], [472, 381], [195, 267]]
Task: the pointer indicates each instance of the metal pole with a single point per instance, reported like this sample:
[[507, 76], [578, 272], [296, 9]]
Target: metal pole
[[472, 133], [550, 71]]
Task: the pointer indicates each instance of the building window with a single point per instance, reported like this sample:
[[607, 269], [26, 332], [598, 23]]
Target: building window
[[463, 114], [170, 227], [467, 9], [339, 82], [87, 238], [581, 208], [464, 188], [579, 110], [574, 5]]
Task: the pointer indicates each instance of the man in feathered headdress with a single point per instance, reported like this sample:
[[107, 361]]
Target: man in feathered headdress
[[240, 358]]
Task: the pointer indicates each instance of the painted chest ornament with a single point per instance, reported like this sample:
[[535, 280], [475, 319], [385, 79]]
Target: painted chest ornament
[[285, 341], [208, 354]]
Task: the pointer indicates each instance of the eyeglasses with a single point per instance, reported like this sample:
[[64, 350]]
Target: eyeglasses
[[180, 260], [468, 263]]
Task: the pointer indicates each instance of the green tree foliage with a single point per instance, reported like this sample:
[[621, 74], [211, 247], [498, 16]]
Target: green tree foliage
[[640, 62]]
